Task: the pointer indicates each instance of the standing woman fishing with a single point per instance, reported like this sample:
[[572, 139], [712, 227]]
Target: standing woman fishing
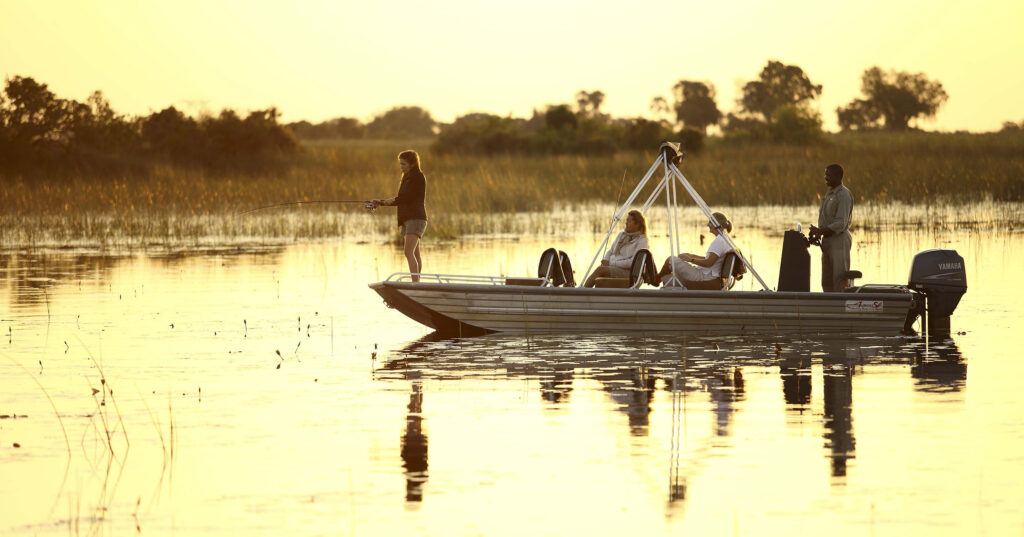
[[412, 215]]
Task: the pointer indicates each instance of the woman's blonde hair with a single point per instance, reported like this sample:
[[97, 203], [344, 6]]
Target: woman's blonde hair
[[639, 216]]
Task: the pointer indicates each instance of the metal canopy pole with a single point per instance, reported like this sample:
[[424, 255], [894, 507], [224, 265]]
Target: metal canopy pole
[[707, 212], [622, 209], [654, 195], [669, 190]]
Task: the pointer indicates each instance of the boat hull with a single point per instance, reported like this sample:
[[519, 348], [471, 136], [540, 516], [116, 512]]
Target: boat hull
[[472, 309]]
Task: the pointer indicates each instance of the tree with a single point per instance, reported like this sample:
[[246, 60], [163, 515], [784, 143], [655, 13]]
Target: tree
[[479, 133], [560, 117], [171, 133], [778, 85], [660, 108], [857, 115], [402, 122], [895, 97], [695, 106], [644, 134], [33, 113], [589, 102], [1009, 126]]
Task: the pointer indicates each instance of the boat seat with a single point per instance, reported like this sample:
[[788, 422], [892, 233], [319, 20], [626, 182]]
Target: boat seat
[[732, 270], [556, 269], [641, 271], [849, 276]]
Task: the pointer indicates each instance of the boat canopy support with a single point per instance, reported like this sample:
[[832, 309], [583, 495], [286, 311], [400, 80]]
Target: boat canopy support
[[667, 162]]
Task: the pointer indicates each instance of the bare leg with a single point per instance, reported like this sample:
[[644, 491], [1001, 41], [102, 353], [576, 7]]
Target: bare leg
[[412, 244], [419, 260], [599, 272], [666, 269]]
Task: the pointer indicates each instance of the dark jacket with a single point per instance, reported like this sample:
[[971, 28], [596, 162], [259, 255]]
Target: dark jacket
[[410, 199]]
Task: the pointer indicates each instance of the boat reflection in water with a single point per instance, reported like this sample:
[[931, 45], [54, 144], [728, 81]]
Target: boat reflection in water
[[701, 373]]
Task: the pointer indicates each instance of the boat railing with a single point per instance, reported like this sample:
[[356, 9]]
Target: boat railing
[[466, 279]]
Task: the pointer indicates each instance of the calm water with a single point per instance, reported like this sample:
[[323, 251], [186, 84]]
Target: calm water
[[270, 392]]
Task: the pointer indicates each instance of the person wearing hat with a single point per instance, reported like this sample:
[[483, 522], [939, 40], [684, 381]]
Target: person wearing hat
[[693, 267], [833, 229]]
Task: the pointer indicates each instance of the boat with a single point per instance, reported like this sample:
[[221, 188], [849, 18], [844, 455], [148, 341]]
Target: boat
[[471, 305]]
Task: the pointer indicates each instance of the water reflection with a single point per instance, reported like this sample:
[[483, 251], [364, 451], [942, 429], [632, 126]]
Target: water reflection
[[31, 276], [414, 446], [939, 368], [711, 376], [837, 370], [631, 388]]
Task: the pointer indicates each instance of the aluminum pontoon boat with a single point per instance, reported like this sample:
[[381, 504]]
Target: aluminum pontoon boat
[[461, 305]]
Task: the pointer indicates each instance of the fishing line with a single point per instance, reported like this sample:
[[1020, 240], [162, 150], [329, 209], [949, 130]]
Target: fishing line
[[368, 205]]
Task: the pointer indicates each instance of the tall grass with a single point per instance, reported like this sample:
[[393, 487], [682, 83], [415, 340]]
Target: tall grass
[[471, 194]]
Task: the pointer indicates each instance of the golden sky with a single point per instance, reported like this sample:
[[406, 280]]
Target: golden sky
[[319, 59]]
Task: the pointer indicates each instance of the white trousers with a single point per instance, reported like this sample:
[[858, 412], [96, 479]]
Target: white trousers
[[687, 271]]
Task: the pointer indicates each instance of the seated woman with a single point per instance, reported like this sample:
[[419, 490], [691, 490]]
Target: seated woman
[[619, 258], [692, 267]]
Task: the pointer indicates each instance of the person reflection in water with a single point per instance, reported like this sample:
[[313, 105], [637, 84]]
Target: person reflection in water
[[838, 383], [726, 389], [414, 447], [631, 388]]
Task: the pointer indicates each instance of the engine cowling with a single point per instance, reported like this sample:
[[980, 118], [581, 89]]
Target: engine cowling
[[941, 276]]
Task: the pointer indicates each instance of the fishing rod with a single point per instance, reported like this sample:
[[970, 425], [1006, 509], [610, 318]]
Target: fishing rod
[[368, 205]]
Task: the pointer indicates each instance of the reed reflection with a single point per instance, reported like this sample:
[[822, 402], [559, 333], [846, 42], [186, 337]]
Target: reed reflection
[[30, 277]]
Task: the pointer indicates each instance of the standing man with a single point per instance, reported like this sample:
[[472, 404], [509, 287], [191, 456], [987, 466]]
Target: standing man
[[834, 231]]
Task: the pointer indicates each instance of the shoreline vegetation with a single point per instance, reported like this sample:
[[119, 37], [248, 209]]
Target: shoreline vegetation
[[904, 179], [79, 175]]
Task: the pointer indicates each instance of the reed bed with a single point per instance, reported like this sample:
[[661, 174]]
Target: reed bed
[[949, 174]]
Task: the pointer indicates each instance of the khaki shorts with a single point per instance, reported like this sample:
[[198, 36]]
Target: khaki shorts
[[414, 227], [616, 272]]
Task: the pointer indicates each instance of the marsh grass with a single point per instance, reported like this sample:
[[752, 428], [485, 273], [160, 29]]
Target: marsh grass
[[469, 194]]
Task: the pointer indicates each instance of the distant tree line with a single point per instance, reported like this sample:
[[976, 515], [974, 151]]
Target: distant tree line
[[777, 106], [398, 122], [774, 107], [39, 129]]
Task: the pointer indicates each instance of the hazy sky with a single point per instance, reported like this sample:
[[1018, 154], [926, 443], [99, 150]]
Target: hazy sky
[[321, 59]]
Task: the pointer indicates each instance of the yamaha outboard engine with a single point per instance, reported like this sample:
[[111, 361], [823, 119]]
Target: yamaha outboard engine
[[941, 277]]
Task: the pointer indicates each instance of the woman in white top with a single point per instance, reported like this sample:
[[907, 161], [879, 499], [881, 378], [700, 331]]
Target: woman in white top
[[619, 258], [692, 267]]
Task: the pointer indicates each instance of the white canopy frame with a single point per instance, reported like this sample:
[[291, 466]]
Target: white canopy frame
[[669, 183]]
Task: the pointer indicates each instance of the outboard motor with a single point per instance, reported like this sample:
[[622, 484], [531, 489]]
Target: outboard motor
[[795, 267], [941, 277]]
